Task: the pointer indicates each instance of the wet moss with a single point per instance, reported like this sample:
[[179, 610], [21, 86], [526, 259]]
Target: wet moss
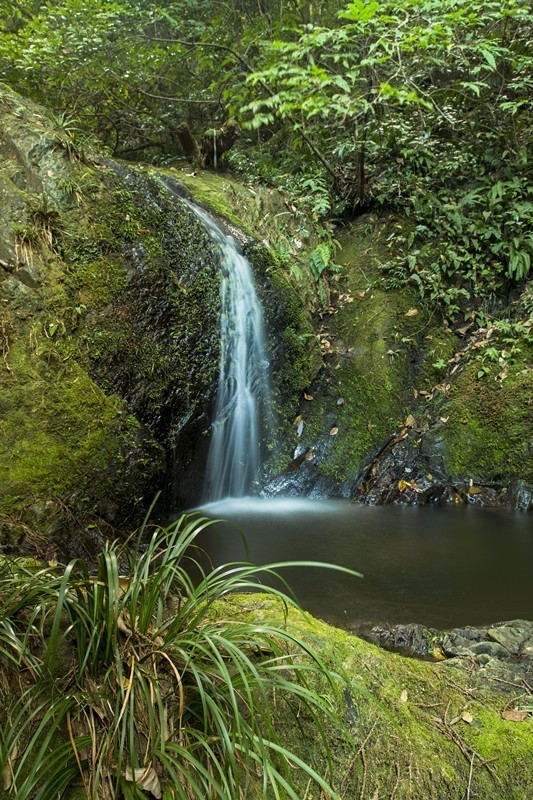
[[488, 433], [222, 195], [399, 712], [61, 437], [381, 347], [294, 353], [109, 289]]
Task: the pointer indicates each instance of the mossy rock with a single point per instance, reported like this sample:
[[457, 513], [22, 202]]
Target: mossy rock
[[378, 347], [488, 433], [420, 729], [389, 411], [109, 339], [108, 332]]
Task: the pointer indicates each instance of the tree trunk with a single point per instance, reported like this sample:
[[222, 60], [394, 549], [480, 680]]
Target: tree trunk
[[218, 141], [189, 144]]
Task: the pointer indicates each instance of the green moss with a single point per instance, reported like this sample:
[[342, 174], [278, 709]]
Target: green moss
[[488, 433], [383, 346], [60, 436], [399, 711], [110, 290], [222, 195], [296, 357]]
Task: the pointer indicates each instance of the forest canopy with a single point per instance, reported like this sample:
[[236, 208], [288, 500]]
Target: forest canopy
[[418, 106]]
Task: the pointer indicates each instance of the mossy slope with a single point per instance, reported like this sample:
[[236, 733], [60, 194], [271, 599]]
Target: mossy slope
[[410, 739], [488, 435], [378, 347], [389, 360]]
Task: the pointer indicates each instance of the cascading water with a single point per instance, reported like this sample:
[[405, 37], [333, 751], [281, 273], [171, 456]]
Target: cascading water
[[242, 406]]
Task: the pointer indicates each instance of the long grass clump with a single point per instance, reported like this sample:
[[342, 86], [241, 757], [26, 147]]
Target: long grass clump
[[129, 681]]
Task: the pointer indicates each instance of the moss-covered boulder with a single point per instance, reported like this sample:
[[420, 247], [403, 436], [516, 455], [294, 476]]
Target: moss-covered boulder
[[419, 729], [404, 409], [109, 296], [488, 433], [108, 333], [377, 347]]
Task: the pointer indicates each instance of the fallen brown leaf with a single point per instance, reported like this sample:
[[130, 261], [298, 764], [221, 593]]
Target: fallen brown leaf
[[514, 715]]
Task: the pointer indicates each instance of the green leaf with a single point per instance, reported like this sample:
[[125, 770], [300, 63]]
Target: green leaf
[[489, 58]]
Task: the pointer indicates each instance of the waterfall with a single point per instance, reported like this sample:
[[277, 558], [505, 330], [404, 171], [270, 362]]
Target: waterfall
[[242, 406]]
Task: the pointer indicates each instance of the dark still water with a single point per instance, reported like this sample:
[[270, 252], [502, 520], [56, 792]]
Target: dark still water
[[441, 567]]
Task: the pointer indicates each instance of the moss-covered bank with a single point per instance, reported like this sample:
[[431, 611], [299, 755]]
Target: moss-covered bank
[[488, 435], [400, 411], [421, 730]]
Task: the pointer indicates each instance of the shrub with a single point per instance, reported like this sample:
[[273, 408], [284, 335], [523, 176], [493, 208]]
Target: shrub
[[131, 682]]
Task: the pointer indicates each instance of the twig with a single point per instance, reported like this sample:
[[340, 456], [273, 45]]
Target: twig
[[356, 756], [514, 700], [526, 685], [4, 342], [468, 752], [468, 692], [362, 792], [376, 677], [470, 775], [393, 793]]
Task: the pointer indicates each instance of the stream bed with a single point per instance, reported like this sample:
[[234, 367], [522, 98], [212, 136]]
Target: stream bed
[[440, 567]]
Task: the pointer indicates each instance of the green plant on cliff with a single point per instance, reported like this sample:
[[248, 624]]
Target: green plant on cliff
[[135, 683]]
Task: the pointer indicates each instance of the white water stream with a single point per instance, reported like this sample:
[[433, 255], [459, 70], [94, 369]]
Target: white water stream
[[242, 407]]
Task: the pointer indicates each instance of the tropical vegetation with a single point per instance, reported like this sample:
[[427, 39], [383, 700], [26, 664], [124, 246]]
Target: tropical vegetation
[[132, 679], [420, 107]]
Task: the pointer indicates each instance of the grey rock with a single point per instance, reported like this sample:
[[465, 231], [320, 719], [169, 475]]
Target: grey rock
[[509, 638], [492, 649], [30, 276]]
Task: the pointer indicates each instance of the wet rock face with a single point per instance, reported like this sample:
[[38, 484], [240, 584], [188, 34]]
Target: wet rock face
[[108, 337], [409, 471]]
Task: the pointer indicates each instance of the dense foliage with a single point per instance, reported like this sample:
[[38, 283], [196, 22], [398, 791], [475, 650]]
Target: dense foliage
[[131, 680], [419, 106]]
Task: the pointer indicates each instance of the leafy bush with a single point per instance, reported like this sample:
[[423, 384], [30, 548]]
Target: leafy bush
[[421, 106], [130, 681]]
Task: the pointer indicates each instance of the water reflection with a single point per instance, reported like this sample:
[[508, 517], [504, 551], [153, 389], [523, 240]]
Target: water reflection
[[441, 567]]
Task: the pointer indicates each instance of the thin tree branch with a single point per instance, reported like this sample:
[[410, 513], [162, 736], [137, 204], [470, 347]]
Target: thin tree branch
[[176, 99], [138, 147], [265, 86]]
